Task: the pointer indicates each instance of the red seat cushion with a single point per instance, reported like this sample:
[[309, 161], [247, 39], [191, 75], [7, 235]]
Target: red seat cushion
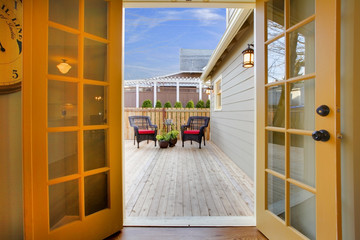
[[192, 131], [146, 131]]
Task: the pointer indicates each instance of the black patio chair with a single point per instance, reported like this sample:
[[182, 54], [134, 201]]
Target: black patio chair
[[143, 129], [194, 129]]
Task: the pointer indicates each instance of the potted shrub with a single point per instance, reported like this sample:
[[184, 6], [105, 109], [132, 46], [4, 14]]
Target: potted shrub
[[190, 104], [173, 137], [167, 104], [163, 139], [158, 104], [200, 104], [178, 105], [207, 105], [147, 104]]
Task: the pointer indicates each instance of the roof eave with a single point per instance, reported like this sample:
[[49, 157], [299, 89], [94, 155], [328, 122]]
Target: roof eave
[[239, 19]]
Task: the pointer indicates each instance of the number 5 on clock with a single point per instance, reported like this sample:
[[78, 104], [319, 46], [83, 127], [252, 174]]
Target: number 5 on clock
[[15, 74]]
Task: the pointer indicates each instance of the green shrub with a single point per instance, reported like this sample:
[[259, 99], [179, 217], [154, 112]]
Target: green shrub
[[200, 104], [190, 104], [158, 104], [167, 104], [178, 105], [147, 104], [207, 103]]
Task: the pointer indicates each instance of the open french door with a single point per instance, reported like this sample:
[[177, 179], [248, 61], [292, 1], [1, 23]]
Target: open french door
[[72, 118], [297, 61]]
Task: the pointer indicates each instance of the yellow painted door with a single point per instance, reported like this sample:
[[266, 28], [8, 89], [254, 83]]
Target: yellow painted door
[[72, 118], [297, 71]]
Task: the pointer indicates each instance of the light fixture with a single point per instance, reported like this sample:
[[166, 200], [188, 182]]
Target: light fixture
[[63, 67], [248, 56], [98, 98], [209, 90]]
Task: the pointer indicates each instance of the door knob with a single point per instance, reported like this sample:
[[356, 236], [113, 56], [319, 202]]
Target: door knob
[[321, 135], [323, 110]]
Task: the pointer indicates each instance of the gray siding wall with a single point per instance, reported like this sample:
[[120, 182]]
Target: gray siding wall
[[232, 127]]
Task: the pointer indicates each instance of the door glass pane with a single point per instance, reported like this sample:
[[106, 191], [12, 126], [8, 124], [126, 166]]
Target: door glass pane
[[276, 106], [300, 10], [65, 12], [302, 105], [302, 159], [276, 60], [276, 196], [62, 104], [96, 17], [275, 18], [276, 152], [95, 154], [94, 105], [63, 203], [96, 193], [63, 154], [302, 50], [303, 211], [63, 48], [95, 60]]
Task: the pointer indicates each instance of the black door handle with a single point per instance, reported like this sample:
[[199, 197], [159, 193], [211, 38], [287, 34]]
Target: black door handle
[[321, 135], [323, 110]]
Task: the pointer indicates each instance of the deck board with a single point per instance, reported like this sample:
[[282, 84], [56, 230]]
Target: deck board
[[184, 182]]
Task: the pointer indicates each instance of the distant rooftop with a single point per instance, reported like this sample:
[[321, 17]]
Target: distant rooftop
[[184, 78], [194, 60]]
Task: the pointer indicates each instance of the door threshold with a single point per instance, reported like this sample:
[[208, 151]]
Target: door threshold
[[205, 221]]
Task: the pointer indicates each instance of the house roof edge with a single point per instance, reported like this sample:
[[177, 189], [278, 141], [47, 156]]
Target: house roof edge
[[241, 15]]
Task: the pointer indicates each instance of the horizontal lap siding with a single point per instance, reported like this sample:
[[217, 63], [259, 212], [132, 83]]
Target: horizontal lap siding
[[232, 127]]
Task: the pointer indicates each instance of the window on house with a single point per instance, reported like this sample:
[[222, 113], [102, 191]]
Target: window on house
[[218, 94]]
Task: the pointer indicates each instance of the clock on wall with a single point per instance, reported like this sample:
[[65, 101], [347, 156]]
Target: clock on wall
[[11, 36]]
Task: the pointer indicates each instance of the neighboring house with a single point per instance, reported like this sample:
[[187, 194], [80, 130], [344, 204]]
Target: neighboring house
[[232, 100], [182, 86]]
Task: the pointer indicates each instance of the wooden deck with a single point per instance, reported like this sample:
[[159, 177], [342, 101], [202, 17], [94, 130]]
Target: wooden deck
[[184, 182]]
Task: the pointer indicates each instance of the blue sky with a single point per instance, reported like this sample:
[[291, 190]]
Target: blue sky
[[154, 36]]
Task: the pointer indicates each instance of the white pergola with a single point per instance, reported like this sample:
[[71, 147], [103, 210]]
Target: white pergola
[[166, 81]]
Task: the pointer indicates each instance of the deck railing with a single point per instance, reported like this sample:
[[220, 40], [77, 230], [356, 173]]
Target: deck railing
[[179, 116]]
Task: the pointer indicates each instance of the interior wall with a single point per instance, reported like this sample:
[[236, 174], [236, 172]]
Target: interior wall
[[11, 200], [350, 115]]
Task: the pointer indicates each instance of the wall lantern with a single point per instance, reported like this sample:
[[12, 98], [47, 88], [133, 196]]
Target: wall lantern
[[63, 67], [209, 90], [248, 56]]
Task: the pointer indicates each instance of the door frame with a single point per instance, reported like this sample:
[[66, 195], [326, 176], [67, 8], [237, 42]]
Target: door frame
[[30, 60], [240, 220]]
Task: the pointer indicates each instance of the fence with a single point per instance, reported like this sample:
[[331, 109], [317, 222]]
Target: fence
[[179, 116]]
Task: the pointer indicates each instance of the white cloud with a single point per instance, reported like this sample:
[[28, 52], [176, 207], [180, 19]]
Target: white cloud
[[207, 16], [141, 72], [140, 25]]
